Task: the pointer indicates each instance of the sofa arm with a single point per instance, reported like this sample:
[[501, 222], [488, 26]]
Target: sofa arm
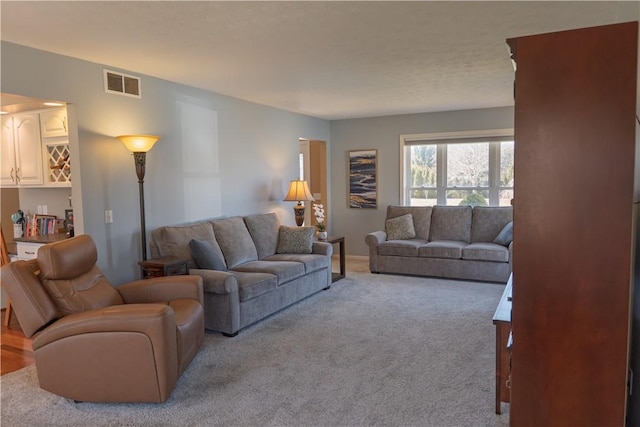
[[322, 248], [158, 321], [375, 238], [221, 300], [162, 289], [217, 282]]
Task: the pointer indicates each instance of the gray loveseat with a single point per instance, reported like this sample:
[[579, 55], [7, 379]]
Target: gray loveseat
[[458, 242], [251, 266]]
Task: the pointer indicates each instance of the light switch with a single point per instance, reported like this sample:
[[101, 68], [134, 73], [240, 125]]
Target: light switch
[[108, 216]]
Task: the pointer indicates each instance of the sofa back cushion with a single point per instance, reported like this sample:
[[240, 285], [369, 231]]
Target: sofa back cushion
[[174, 240], [421, 218], [451, 223], [264, 230], [489, 221], [235, 241]]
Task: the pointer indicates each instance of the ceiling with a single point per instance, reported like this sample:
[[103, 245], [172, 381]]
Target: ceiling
[[326, 59]]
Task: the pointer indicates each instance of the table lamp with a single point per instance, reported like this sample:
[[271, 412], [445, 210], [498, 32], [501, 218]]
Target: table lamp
[[299, 192]]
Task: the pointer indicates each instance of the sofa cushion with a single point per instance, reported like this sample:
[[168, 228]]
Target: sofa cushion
[[442, 249], [295, 240], [311, 262], [486, 252], [505, 237], [264, 229], [400, 247], [285, 271], [235, 241], [174, 240], [206, 256], [400, 228], [488, 221], [451, 223], [421, 218], [251, 285]]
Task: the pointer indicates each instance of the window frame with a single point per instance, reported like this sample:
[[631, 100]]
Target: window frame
[[442, 139]]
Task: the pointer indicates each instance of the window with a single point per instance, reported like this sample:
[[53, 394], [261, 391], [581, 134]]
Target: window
[[460, 168]]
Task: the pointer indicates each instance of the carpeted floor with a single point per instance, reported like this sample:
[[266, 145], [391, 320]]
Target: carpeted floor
[[372, 350]]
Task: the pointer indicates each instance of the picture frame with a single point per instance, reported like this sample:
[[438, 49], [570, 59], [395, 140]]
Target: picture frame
[[363, 179]]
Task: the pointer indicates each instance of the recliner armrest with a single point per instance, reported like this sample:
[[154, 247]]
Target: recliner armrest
[[162, 289], [157, 321]]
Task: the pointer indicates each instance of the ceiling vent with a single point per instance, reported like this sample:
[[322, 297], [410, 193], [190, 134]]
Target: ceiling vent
[[122, 84]]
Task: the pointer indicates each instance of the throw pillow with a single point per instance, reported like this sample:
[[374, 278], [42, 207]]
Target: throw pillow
[[206, 256], [400, 228], [295, 240], [505, 236]]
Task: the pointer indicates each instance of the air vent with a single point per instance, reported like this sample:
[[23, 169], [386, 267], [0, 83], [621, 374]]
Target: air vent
[[122, 84]]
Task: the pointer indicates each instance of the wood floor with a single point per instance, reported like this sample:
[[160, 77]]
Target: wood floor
[[16, 350]]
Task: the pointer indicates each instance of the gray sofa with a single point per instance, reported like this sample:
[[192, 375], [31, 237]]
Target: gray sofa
[[251, 266], [458, 242]]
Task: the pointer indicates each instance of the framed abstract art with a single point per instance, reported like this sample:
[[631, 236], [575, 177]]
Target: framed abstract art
[[363, 179]]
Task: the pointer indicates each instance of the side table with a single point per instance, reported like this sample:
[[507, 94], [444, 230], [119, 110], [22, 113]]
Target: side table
[[165, 266], [340, 241]]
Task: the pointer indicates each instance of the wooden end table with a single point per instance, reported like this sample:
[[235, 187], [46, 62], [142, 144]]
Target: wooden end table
[[340, 241], [165, 266]]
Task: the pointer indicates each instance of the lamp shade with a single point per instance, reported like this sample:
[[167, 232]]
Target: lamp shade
[[298, 191], [138, 143]]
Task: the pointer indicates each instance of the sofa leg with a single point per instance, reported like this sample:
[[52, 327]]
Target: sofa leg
[[327, 288], [230, 335]]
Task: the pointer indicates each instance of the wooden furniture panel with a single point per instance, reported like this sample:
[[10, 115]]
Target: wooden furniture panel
[[340, 241], [165, 266], [575, 106]]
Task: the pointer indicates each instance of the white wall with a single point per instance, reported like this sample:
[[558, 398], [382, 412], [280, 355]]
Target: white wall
[[217, 156], [383, 134]]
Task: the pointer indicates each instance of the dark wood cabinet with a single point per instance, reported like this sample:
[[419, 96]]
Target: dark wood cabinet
[[574, 225]]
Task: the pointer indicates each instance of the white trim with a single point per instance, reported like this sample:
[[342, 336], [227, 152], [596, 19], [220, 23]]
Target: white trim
[[456, 135]]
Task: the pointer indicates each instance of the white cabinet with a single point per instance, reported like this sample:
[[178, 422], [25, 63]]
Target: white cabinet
[[55, 148], [54, 123], [21, 151], [28, 250]]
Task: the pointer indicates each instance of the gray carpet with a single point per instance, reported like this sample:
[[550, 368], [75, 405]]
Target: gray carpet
[[373, 350]]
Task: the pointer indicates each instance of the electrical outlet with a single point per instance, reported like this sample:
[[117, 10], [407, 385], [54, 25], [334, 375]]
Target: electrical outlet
[[108, 216]]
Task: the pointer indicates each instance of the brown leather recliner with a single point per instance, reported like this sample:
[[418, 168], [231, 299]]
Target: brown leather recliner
[[97, 343]]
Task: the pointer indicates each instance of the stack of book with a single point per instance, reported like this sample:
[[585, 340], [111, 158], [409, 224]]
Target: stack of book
[[39, 225]]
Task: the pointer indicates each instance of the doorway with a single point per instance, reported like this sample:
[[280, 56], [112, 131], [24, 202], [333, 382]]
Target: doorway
[[313, 169]]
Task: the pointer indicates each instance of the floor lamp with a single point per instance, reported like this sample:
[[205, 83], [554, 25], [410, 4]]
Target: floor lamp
[[139, 145], [299, 192]]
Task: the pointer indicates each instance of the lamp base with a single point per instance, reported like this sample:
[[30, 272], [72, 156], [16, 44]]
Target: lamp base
[[299, 213]]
